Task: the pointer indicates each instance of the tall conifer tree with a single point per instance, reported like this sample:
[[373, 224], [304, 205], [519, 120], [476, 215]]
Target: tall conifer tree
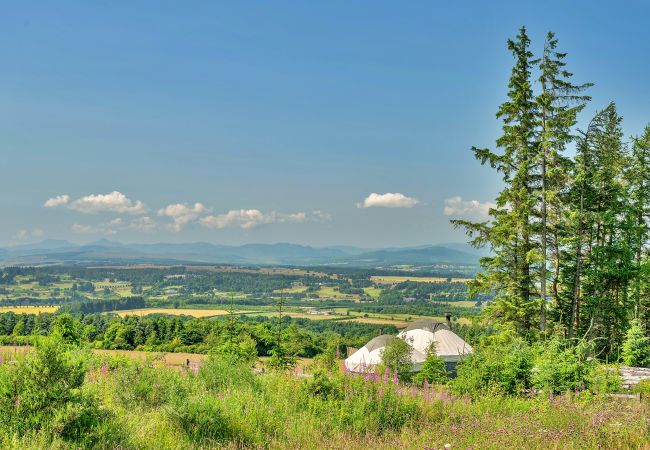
[[510, 231]]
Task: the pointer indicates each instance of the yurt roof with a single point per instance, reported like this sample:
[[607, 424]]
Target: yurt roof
[[426, 324], [379, 342]]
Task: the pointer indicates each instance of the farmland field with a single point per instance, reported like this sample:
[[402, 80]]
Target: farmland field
[[400, 279], [331, 292], [291, 290], [176, 312], [28, 309], [167, 359]]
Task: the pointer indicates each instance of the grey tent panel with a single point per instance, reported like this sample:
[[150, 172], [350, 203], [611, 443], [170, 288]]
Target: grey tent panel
[[379, 342], [427, 324]]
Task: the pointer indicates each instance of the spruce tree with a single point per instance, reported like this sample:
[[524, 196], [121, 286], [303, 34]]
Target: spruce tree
[[510, 231], [559, 103]]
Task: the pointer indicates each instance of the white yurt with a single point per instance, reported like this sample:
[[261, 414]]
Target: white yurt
[[367, 357], [449, 346], [420, 335]]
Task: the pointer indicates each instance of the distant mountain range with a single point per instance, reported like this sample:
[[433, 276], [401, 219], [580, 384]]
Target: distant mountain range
[[110, 252]]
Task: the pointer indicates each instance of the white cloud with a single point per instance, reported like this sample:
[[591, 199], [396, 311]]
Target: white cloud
[[388, 200], [115, 222], [78, 228], [57, 201], [182, 214], [145, 224], [250, 218], [320, 216], [113, 202], [456, 206], [23, 234]]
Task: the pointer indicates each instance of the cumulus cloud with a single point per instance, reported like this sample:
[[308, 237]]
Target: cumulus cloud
[[83, 229], [320, 216], [250, 218], [181, 214], [388, 200], [144, 223], [112, 202], [457, 206], [57, 201]]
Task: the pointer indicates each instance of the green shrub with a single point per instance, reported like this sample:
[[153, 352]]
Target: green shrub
[[500, 365], [244, 350], [44, 391], [202, 419], [561, 367], [636, 347], [397, 357], [219, 373], [141, 384], [433, 370], [643, 388]]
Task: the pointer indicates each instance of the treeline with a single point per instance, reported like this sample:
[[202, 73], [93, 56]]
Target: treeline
[[570, 234], [104, 305], [300, 337], [419, 308], [439, 292]]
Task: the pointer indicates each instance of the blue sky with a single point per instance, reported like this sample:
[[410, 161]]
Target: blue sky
[[236, 122]]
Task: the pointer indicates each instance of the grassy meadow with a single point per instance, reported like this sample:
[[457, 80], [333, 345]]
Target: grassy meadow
[[109, 400]]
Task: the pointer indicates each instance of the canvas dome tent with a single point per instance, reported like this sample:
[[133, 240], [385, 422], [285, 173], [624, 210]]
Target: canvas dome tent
[[420, 335], [369, 356]]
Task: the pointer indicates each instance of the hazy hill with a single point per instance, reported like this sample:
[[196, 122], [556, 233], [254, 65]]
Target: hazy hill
[[105, 251]]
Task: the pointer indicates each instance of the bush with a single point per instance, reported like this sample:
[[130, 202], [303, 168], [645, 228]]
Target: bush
[[245, 349], [434, 369], [203, 420], [501, 364], [43, 391], [397, 357], [643, 388], [141, 384], [219, 373], [561, 367], [636, 347]]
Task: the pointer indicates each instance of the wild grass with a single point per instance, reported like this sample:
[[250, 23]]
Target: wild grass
[[223, 403]]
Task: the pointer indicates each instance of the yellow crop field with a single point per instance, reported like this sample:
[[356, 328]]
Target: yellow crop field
[[28, 309], [176, 312], [399, 279], [378, 321]]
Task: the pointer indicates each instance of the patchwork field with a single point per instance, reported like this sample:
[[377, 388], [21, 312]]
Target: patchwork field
[[381, 279], [331, 292], [28, 309], [176, 312]]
